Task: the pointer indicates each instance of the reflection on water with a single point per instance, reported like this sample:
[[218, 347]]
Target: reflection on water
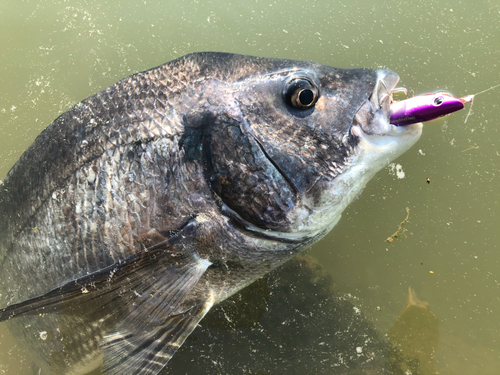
[[413, 339], [57, 53], [295, 321]]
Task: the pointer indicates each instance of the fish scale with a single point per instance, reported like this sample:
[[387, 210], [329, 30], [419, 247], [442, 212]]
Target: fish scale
[[80, 192]]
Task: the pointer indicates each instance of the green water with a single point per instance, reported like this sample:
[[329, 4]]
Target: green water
[[56, 53]]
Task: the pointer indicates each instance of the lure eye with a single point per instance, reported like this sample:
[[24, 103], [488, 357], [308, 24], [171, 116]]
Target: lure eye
[[300, 93], [438, 100]]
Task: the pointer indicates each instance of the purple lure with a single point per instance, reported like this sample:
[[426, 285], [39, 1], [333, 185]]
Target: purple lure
[[425, 108]]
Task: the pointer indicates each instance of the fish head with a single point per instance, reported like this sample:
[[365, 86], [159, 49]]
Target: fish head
[[307, 138]]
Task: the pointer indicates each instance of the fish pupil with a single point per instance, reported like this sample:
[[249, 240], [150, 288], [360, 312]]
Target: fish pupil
[[306, 97]]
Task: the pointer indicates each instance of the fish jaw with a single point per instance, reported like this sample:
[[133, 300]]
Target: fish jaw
[[373, 153], [378, 142]]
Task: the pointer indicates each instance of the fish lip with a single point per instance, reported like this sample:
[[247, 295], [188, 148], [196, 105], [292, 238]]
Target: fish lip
[[373, 116]]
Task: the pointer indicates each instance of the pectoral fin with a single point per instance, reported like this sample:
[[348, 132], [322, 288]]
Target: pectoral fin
[[158, 323], [147, 349], [140, 304]]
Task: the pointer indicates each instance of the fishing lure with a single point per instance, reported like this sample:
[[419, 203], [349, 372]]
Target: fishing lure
[[428, 107], [425, 108]]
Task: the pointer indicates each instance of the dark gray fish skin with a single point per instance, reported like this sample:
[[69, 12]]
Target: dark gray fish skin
[[145, 204]]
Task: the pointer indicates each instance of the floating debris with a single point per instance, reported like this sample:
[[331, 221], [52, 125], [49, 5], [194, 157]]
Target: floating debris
[[401, 230], [474, 147]]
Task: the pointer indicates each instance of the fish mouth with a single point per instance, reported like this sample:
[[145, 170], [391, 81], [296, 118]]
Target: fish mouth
[[373, 116], [378, 141]]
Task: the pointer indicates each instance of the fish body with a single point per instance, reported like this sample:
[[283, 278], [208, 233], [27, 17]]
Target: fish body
[[144, 205]]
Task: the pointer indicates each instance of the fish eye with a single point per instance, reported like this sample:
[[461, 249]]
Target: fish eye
[[300, 93], [438, 100]]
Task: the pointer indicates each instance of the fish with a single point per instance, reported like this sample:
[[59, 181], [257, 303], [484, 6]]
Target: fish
[[146, 204]]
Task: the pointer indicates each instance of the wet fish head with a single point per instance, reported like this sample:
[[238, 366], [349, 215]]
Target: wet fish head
[[300, 142]]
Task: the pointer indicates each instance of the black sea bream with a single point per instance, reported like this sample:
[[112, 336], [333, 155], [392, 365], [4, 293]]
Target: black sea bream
[[144, 205]]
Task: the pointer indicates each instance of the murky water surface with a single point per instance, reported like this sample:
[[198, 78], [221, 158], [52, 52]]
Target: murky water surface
[[56, 53]]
